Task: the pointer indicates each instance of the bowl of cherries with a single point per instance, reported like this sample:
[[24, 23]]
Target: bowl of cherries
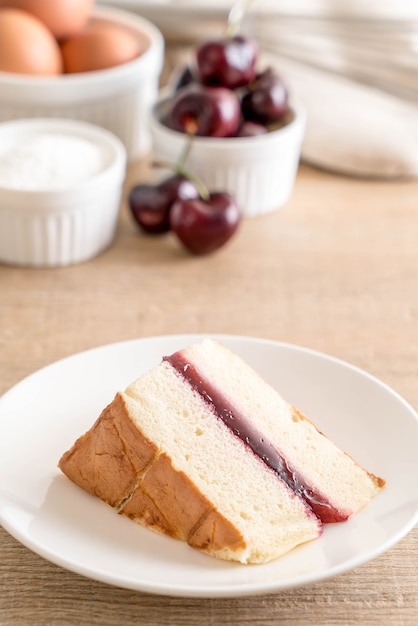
[[243, 131]]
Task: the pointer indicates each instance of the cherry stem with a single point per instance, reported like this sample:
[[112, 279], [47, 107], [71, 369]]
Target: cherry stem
[[186, 151], [179, 168], [198, 182], [236, 16]]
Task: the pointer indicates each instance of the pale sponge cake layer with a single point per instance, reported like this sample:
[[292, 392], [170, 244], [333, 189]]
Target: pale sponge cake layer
[[159, 455], [325, 468], [270, 518]]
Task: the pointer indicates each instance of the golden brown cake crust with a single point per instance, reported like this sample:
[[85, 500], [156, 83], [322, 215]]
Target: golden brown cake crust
[[117, 463], [107, 460], [168, 501]]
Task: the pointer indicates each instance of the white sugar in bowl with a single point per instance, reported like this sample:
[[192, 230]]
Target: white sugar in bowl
[[61, 185]]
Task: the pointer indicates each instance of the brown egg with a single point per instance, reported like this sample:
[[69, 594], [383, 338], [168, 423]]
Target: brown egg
[[62, 17], [26, 45], [100, 46]]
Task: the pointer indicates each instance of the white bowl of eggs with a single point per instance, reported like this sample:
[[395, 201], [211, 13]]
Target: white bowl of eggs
[[71, 59]]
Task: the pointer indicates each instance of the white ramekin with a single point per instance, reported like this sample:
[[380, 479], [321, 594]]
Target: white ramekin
[[118, 99], [51, 227], [258, 171]]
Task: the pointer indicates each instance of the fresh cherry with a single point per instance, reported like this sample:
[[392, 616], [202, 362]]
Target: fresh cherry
[[228, 62], [205, 111], [150, 204], [267, 99], [251, 129], [203, 226]]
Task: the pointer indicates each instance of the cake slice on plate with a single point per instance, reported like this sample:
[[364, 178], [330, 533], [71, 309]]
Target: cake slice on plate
[[332, 483], [202, 449]]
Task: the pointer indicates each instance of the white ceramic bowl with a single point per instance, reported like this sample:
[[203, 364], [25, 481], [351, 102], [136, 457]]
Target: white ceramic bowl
[[117, 98], [52, 213], [258, 171]]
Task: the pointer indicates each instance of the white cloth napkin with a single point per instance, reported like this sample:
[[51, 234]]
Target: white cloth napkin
[[352, 128], [354, 66]]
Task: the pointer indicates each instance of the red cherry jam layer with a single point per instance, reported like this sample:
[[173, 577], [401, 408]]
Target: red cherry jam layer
[[265, 450]]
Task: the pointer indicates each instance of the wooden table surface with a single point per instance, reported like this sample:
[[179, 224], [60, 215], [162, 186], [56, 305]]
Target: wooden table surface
[[336, 270]]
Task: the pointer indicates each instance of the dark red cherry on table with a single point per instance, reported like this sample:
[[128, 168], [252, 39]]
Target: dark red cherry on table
[[228, 62], [203, 226], [205, 111], [267, 99], [150, 204]]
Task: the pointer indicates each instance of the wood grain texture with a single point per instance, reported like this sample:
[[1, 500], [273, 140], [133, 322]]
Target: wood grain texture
[[335, 270], [34, 591]]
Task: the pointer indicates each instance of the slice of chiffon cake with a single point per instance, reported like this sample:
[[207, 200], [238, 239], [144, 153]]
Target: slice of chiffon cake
[[203, 449]]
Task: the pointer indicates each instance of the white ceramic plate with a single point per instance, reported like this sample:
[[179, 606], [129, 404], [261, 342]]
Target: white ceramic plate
[[42, 416]]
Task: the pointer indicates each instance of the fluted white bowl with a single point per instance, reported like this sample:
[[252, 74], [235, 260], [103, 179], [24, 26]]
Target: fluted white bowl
[[118, 98], [58, 224], [258, 171]]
